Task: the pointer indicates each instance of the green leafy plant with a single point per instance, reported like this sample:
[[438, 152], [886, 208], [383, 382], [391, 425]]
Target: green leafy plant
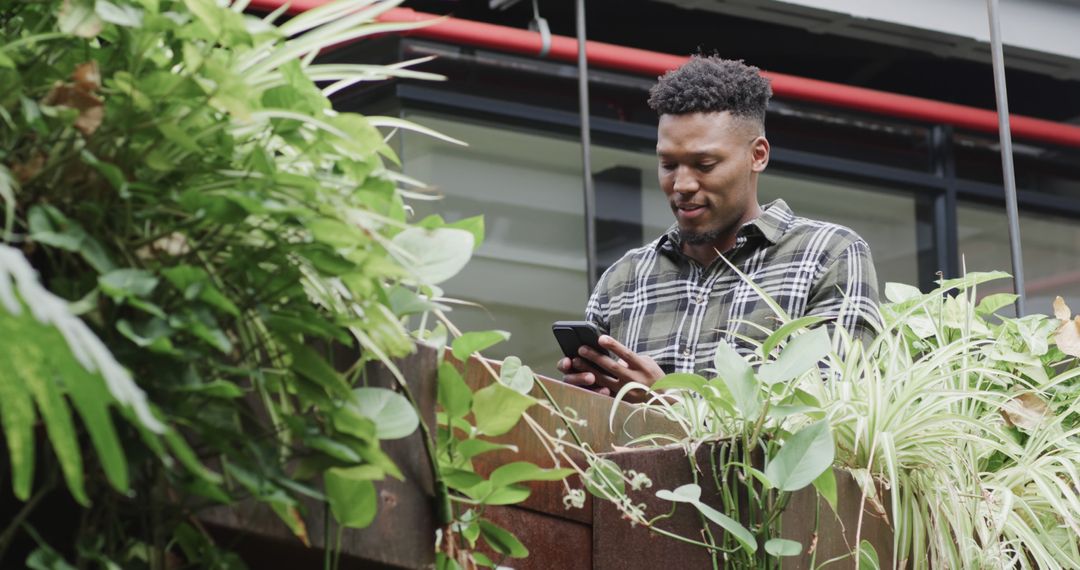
[[970, 420], [750, 417], [205, 227], [494, 410], [967, 419]]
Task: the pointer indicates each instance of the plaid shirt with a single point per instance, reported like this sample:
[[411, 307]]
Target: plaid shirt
[[660, 303]]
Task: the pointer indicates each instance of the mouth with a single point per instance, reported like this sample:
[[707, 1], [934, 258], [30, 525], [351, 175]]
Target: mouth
[[688, 210]]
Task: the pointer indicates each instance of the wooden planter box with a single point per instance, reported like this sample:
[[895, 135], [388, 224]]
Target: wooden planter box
[[596, 536]]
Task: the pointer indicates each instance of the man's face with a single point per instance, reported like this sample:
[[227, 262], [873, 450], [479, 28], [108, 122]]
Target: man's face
[[708, 165]]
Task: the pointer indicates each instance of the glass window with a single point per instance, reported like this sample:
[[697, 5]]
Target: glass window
[[531, 268], [1050, 247]]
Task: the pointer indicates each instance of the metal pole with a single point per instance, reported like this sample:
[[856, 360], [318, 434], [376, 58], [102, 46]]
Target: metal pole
[[1006, 154], [586, 161]]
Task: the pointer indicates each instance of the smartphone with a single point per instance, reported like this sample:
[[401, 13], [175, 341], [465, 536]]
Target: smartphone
[[571, 335]]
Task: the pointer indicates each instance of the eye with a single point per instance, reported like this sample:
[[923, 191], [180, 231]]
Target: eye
[[706, 166], [667, 165]]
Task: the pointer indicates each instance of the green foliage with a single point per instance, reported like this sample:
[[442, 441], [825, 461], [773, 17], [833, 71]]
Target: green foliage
[[471, 342], [502, 541], [804, 457], [55, 356], [209, 234], [495, 409], [604, 479], [965, 421], [748, 406], [351, 494], [783, 547], [971, 423], [691, 494], [393, 415]]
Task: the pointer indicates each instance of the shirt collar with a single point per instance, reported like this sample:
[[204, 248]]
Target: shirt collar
[[772, 224]]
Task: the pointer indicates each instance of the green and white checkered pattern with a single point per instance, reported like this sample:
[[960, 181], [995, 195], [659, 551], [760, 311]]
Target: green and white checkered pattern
[[660, 303]]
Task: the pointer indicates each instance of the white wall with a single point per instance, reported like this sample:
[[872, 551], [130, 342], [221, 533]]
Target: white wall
[[1039, 35]]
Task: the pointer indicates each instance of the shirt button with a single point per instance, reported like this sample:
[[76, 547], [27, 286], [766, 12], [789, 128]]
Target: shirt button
[[686, 351], [699, 299]]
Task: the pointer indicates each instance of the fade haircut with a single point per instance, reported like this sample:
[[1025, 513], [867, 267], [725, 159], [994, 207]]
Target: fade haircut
[[710, 84]]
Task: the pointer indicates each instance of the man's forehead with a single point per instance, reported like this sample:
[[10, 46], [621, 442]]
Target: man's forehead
[[696, 151], [713, 121]]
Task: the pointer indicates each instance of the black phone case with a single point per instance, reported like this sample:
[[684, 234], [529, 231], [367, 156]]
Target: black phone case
[[571, 335]]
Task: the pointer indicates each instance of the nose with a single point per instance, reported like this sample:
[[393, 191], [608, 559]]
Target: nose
[[685, 182]]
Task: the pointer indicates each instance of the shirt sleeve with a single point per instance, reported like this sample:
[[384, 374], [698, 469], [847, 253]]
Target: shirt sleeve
[[596, 310], [847, 291]]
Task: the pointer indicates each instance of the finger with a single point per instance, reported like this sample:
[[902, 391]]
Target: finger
[[585, 365], [601, 377], [565, 365], [618, 349], [603, 391], [607, 364], [582, 379]]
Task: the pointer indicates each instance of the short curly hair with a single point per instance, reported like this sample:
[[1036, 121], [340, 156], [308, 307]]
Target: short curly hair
[[708, 84]]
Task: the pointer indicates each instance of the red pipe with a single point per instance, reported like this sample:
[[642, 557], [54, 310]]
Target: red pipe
[[638, 61]]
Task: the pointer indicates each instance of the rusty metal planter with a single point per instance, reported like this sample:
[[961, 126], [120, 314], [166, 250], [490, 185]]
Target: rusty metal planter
[[596, 536], [618, 545]]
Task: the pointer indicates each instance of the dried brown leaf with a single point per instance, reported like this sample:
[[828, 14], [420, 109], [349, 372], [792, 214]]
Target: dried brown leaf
[[87, 76], [24, 171], [91, 109], [1061, 310], [1067, 337], [1025, 411], [299, 527]]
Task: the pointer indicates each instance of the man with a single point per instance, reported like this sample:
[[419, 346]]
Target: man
[[665, 307]]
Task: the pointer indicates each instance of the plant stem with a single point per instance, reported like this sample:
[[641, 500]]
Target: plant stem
[[706, 531], [558, 409], [12, 528], [681, 538]]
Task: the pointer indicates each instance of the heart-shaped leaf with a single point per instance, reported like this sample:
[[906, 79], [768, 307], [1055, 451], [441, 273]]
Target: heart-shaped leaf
[[516, 376], [801, 354], [351, 494], [497, 408], [471, 342], [393, 415], [783, 547], [689, 493], [454, 395], [433, 256], [803, 458]]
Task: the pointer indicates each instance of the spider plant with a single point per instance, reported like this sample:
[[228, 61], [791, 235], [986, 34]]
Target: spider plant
[[967, 419]]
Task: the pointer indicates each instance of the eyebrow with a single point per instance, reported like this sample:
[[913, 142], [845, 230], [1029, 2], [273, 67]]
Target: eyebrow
[[697, 154]]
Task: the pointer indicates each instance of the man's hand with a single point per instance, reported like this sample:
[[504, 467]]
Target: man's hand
[[608, 375]]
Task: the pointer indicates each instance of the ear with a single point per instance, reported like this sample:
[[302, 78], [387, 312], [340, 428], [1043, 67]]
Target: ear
[[759, 154]]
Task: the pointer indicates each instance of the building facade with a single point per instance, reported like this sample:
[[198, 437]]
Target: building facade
[[926, 194]]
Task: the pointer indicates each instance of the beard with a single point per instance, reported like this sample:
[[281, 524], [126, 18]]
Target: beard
[[692, 237]]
